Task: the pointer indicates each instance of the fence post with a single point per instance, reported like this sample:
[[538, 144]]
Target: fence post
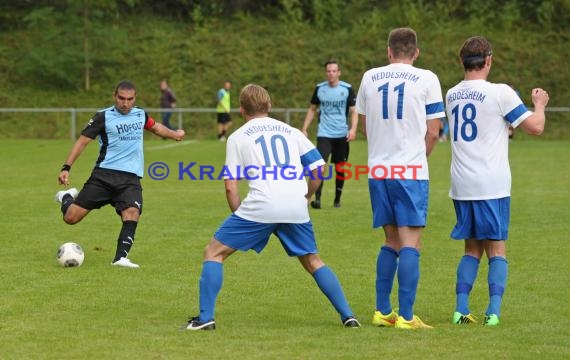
[[73, 123]]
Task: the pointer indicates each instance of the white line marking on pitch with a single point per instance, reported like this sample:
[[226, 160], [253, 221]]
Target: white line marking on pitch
[[168, 146]]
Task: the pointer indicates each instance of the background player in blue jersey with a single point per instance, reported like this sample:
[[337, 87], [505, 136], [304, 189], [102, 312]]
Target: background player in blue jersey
[[480, 114], [400, 106], [272, 206], [335, 101], [116, 177]]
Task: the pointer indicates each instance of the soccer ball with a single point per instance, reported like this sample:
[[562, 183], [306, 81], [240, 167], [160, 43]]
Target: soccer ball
[[70, 255]]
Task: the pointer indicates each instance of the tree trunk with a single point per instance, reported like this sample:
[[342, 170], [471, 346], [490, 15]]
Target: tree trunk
[[86, 47]]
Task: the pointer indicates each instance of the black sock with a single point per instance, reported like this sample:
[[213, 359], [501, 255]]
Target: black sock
[[319, 192], [339, 186], [126, 239], [65, 202], [224, 133]]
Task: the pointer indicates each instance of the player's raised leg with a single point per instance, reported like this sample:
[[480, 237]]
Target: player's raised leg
[[72, 213]]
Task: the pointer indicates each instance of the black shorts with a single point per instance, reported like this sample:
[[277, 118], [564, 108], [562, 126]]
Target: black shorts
[[337, 147], [118, 188], [224, 118]]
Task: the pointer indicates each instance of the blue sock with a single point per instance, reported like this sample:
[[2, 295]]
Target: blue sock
[[330, 286], [210, 285], [386, 266], [466, 275], [408, 277], [497, 279]]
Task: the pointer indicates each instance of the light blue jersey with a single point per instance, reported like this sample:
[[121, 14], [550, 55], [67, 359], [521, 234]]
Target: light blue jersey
[[333, 103], [120, 139]]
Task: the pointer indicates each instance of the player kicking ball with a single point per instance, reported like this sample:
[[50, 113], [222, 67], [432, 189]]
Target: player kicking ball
[[116, 177]]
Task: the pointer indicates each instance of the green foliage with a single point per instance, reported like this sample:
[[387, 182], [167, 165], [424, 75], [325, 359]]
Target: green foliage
[[62, 46], [545, 13], [47, 59], [510, 14], [292, 11], [329, 14], [46, 54]]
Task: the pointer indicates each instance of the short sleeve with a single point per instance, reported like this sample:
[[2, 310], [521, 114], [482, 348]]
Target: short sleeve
[[434, 100], [310, 157], [149, 122], [233, 160], [514, 111], [351, 101], [315, 98], [95, 126]]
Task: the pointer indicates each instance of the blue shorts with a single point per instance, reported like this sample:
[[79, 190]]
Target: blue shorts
[[482, 219], [242, 234], [399, 202]]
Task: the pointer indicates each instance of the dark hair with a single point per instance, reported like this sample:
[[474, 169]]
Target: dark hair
[[125, 85], [331, 62], [473, 53], [403, 42]]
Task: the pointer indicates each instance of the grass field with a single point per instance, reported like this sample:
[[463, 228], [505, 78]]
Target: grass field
[[269, 308]]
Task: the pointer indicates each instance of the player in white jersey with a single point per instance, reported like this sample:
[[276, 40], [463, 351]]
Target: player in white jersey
[[400, 106], [272, 156], [479, 114]]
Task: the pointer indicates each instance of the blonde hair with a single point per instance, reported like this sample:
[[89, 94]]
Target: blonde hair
[[254, 100]]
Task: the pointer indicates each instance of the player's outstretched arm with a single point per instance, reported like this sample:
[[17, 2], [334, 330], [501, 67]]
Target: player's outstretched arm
[[163, 131], [74, 153], [534, 124]]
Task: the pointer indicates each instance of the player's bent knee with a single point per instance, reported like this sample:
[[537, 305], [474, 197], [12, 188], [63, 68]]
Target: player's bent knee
[[74, 214], [311, 262], [130, 214], [71, 219], [216, 251]]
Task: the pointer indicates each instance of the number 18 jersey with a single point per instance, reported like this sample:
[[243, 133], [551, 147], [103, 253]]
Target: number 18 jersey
[[479, 115]]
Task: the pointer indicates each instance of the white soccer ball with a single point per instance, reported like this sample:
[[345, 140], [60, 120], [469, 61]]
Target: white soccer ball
[[70, 255]]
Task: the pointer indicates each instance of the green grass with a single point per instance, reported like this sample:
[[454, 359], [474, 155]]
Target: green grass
[[269, 308]]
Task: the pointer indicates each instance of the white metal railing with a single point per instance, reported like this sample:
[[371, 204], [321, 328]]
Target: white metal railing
[[179, 111]]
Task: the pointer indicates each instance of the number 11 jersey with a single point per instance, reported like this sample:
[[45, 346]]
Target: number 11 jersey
[[398, 100]]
